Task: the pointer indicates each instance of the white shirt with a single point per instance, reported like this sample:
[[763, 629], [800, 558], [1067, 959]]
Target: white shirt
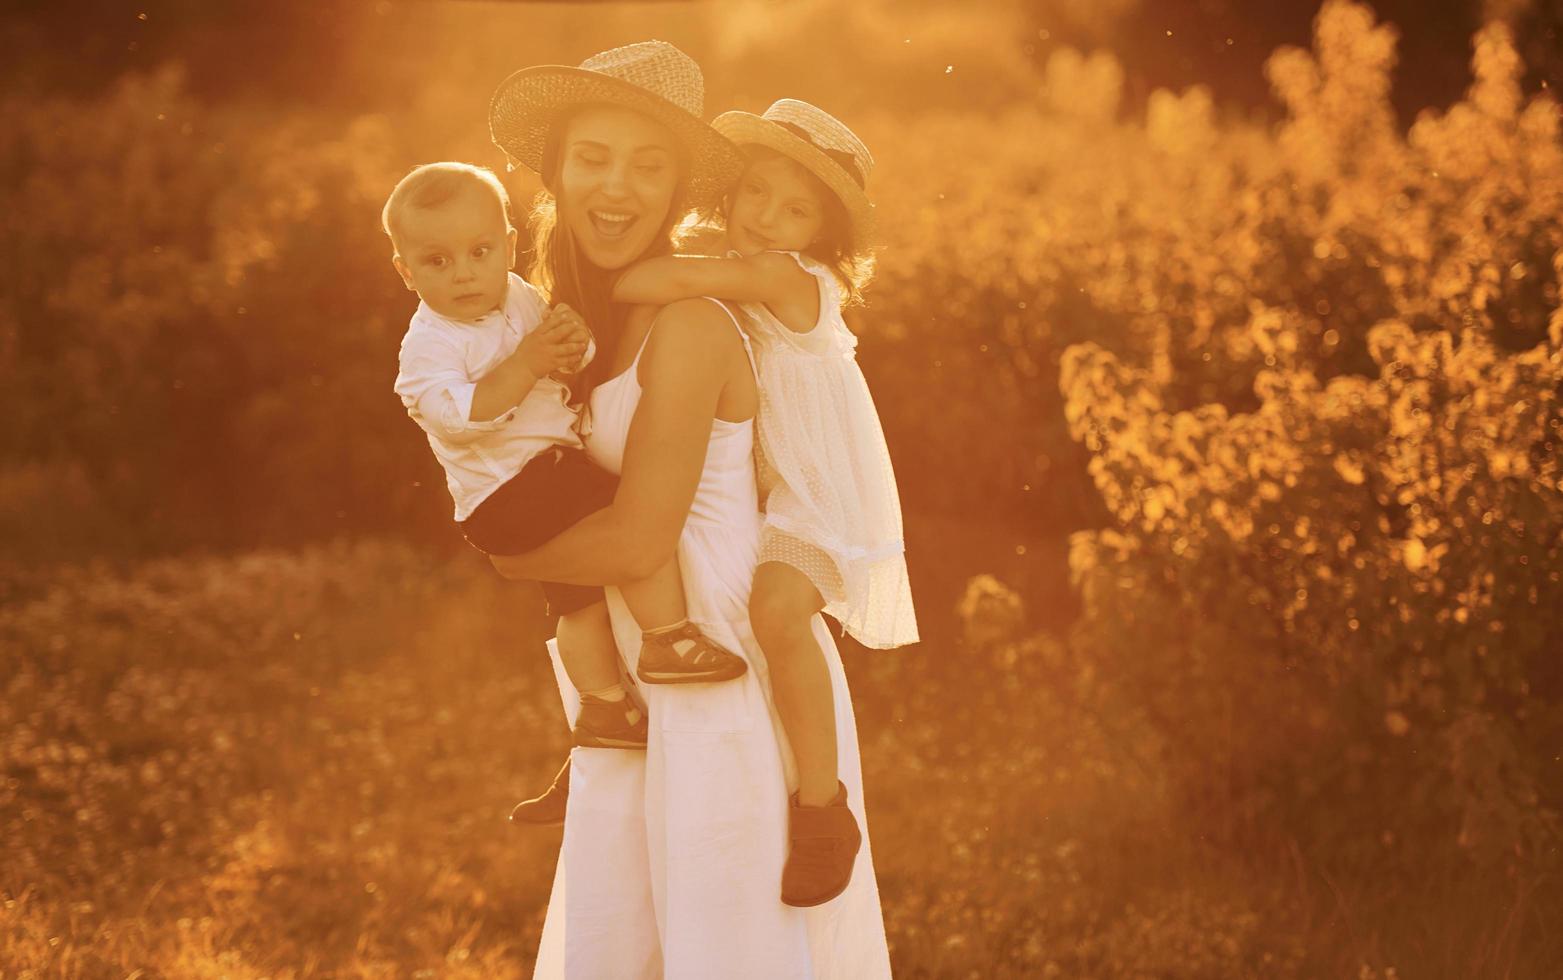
[[442, 361]]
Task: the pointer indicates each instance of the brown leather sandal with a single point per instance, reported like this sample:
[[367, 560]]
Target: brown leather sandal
[[610, 724], [685, 656]]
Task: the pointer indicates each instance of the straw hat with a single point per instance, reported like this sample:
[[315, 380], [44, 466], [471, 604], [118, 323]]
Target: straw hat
[[818, 141], [652, 77]]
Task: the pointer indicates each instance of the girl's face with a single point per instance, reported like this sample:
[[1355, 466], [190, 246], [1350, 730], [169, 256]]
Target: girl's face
[[775, 206], [618, 171]]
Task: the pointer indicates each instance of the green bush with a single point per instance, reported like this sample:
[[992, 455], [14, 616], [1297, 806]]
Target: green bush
[[201, 327], [1340, 598]]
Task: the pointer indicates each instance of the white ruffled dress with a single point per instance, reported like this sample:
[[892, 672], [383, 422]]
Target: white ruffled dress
[[831, 505]]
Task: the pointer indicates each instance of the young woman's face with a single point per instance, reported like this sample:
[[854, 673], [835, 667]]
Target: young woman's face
[[618, 172], [774, 206]]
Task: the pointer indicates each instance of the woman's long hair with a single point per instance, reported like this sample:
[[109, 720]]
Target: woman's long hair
[[566, 276]]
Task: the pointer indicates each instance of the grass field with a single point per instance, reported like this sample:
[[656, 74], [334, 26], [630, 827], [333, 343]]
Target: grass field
[[299, 765]]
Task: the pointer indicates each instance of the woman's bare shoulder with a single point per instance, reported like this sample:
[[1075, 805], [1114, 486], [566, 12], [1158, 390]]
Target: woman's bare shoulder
[[693, 335], [697, 322]]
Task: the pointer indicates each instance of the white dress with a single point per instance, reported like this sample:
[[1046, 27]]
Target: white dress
[[831, 505], [671, 861]]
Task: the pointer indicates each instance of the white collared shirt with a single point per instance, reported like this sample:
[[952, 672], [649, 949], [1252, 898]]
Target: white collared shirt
[[442, 361]]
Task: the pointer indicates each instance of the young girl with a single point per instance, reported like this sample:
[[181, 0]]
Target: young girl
[[795, 230]]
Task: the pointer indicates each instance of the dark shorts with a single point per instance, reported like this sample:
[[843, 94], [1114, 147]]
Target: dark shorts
[[550, 493]]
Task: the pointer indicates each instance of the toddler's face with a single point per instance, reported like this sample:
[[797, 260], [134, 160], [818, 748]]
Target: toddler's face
[[457, 255], [774, 206]]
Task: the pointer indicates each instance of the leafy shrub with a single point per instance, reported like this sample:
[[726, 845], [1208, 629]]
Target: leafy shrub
[[1339, 596], [198, 324]]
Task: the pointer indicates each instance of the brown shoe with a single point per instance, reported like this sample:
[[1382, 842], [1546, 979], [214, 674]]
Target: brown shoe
[[824, 844], [685, 656], [541, 811], [610, 724]]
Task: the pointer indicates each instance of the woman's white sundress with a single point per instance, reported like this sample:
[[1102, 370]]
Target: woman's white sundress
[[832, 509], [671, 860]]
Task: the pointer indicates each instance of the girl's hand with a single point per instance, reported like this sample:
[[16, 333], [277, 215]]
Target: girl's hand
[[557, 344]]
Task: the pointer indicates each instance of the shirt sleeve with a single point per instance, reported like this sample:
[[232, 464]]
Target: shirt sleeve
[[436, 391]]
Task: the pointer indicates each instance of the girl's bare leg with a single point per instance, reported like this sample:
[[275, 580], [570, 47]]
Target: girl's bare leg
[[781, 609]]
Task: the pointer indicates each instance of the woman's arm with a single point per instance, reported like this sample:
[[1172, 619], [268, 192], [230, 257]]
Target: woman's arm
[[691, 354], [769, 277]]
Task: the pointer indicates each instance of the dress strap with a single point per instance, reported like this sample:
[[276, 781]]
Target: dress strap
[[642, 348], [634, 367], [742, 334]]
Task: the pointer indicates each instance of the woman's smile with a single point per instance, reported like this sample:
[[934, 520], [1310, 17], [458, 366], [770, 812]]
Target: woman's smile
[[611, 224]]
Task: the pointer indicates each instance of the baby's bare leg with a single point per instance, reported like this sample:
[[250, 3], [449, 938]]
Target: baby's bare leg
[[674, 650], [587, 650], [609, 718], [657, 601]]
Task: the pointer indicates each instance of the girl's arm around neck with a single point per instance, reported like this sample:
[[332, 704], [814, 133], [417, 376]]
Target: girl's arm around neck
[[769, 277], [692, 352]]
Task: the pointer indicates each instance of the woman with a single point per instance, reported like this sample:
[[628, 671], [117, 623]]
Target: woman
[[671, 862]]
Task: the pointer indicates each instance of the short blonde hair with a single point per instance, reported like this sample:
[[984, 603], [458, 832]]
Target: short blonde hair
[[433, 184]]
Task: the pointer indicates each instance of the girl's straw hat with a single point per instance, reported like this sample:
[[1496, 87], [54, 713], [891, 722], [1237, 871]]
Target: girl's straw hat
[[652, 77], [818, 141]]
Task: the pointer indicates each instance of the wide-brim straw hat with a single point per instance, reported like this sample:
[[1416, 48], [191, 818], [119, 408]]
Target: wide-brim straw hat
[[652, 77], [821, 144]]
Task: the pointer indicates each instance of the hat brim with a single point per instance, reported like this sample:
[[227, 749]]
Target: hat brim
[[746, 127], [527, 103]]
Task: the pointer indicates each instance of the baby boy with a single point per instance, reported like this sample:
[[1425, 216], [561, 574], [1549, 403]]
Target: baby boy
[[484, 371]]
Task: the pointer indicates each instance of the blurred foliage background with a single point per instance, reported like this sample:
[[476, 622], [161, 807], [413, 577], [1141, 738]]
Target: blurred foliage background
[[1227, 336]]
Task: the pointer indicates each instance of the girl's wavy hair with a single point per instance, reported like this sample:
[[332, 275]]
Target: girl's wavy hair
[[851, 261], [564, 275]]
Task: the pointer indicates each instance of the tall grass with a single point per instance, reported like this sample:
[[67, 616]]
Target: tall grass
[[299, 764]]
